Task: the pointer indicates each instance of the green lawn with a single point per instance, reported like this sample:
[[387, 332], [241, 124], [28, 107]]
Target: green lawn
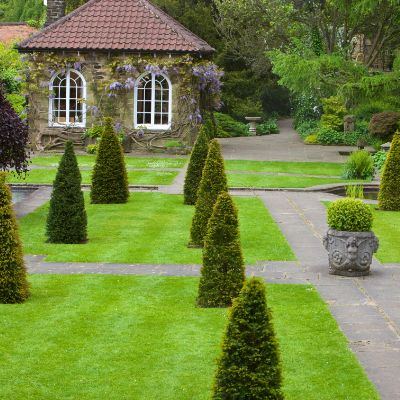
[[153, 228], [275, 181], [125, 337], [131, 162], [386, 226], [150, 177], [304, 168]]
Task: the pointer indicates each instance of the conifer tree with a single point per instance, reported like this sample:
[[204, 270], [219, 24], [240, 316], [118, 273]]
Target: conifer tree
[[67, 220], [213, 183], [222, 274], [249, 365], [109, 177], [389, 189], [14, 287], [195, 168]]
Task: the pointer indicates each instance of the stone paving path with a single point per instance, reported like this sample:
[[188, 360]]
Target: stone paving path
[[286, 146]]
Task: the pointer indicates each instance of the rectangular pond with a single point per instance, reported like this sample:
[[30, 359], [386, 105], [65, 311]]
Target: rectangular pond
[[20, 193]]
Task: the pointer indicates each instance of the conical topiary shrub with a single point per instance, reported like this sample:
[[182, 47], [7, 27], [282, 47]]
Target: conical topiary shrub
[[67, 220], [249, 365], [109, 177], [195, 168], [14, 287], [222, 274], [389, 189], [213, 183]]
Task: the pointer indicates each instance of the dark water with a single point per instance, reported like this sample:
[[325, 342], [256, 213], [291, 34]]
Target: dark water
[[370, 194], [19, 194]]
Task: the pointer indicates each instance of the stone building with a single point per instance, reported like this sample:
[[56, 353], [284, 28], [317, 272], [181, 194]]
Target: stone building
[[93, 36], [15, 31]]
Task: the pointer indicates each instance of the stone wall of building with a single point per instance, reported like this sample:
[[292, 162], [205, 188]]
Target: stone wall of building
[[95, 72]]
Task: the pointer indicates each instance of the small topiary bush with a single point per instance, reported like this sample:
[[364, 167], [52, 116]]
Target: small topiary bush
[[379, 159], [311, 139], [330, 136], [267, 128], [14, 287], [213, 183], [349, 214], [91, 149], [360, 165], [384, 125], [222, 274], [195, 168], [67, 220], [109, 176], [249, 365], [389, 190], [334, 112], [173, 144]]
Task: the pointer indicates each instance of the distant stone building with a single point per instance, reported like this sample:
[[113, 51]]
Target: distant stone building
[[11, 32]]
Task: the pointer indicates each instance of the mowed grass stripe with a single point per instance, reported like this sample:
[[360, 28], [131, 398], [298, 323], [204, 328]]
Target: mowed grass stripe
[[123, 337], [134, 177], [153, 228]]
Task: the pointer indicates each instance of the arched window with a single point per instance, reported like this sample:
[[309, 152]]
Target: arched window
[[153, 101], [65, 109]]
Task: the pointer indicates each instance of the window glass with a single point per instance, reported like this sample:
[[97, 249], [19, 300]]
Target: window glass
[[66, 107], [152, 101]]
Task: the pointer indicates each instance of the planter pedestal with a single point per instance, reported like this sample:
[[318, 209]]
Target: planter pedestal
[[126, 145], [350, 253], [89, 140], [253, 124]]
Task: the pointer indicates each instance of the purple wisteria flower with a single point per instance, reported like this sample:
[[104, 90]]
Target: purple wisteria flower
[[24, 58], [128, 68], [77, 65], [52, 96], [46, 84], [17, 78], [131, 83], [51, 72], [94, 108], [118, 128]]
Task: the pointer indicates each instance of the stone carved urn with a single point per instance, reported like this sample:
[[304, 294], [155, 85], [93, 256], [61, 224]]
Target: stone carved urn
[[350, 253]]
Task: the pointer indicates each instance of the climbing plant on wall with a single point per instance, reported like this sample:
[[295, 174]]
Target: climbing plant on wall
[[199, 89]]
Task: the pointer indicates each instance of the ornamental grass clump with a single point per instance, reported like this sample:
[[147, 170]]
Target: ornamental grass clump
[[109, 177], [222, 274], [14, 287], [195, 168], [67, 220], [249, 365], [349, 214], [389, 189], [213, 183]]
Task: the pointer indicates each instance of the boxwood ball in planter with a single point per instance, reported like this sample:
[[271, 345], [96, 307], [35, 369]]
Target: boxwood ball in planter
[[349, 240]]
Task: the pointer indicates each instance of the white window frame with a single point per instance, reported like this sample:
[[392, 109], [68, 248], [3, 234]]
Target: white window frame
[[153, 97], [67, 123]]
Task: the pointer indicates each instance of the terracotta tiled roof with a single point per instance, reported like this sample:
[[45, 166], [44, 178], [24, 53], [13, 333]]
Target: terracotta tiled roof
[[116, 25], [13, 31]]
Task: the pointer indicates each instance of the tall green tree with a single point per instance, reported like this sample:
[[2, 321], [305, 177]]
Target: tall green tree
[[14, 287], [67, 220], [109, 176], [249, 365], [222, 273], [213, 183], [389, 189], [195, 168]]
